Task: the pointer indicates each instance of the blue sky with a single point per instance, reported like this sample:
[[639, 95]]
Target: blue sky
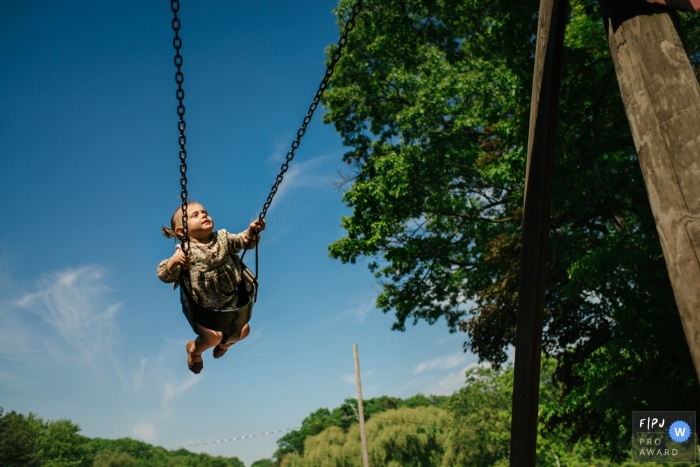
[[89, 169]]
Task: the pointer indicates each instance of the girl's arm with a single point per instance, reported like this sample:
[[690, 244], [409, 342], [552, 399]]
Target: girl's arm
[[168, 269], [247, 239], [165, 274]]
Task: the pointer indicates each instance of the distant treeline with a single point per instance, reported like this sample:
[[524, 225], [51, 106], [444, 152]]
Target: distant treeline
[[469, 428], [28, 441]]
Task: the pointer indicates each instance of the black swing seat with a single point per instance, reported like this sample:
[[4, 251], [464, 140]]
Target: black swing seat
[[228, 322]]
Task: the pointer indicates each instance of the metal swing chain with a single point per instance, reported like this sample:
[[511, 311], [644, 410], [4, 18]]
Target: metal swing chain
[[322, 87], [180, 94]]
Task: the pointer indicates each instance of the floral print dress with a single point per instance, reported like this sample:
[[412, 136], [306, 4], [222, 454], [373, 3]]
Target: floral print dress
[[215, 269]]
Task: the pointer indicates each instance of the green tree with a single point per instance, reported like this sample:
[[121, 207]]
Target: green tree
[[471, 429], [480, 431], [126, 451], [18, 440], [112, 459], [263, 463], [432, 97], [205, 460], [344, 417], [60, 444], [30, 441], [404, 437]]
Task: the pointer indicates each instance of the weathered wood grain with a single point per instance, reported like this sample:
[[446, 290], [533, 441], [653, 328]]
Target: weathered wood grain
[[535, 236], [662, 100]]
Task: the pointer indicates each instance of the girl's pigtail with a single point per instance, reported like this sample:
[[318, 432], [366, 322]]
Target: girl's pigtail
[[175, 221], [170, 233]]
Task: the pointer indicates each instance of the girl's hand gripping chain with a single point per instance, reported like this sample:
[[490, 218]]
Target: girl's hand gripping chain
[[256, 226], [178, 259]]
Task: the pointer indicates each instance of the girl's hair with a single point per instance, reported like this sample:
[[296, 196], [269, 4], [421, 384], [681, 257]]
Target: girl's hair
[[175, 222]]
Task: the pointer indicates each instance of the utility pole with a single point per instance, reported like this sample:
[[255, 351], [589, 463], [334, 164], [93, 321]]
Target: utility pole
[[535, 235], [662, 101], [363, 435]]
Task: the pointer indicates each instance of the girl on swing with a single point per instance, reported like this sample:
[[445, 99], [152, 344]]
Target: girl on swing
[[213, 273]]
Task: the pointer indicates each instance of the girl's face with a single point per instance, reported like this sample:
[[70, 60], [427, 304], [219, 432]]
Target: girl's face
[[199, 224]]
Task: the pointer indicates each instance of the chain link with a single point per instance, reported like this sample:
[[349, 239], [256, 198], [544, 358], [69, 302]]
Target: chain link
[[181, 125], [322, 87]]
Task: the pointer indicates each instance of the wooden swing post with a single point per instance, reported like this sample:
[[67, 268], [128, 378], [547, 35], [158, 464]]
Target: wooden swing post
[[662, 101], [535, 236]]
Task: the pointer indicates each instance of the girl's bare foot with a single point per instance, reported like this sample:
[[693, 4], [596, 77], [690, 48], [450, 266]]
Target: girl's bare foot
[[194, 361]]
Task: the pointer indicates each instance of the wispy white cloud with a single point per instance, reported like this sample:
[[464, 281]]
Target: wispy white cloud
[[442, 363], [438, 376], [165, 381], [11, 379], [351, 378], [361, 311], [255, 335], [302, 174], [73, 303], [173, 389], [145, 431], [357, 310], [450, 338], [16, 336], [453, 381], [138, 374], [165, 375]]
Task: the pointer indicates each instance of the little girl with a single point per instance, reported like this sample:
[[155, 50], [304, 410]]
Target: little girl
[[213, 272]]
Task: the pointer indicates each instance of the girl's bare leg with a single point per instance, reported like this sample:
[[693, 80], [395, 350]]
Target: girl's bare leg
[[206, 339], [221, 349], [244, 333]]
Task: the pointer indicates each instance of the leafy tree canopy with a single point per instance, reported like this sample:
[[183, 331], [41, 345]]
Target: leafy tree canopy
[[129, 452], [263, 463], [432, 97], [405, 437], [31, 441], [344, 417], [18, 440]]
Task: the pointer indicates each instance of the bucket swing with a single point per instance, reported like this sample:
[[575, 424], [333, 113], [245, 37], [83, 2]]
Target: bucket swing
[[228, 322]]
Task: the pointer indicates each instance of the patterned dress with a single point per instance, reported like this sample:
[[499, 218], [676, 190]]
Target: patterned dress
[[215, 269]]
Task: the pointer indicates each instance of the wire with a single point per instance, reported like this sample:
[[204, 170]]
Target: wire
[[235, 438], [433, 425]]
